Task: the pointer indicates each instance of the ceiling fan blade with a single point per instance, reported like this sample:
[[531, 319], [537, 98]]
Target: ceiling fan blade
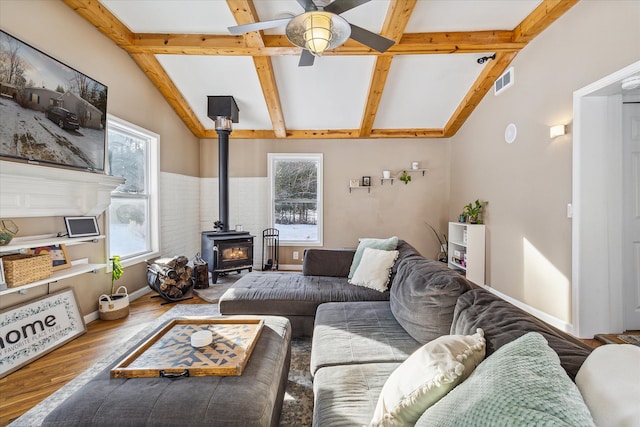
[[256, 26], [308, 5], [373, 40], [340, 6], [306, 59]]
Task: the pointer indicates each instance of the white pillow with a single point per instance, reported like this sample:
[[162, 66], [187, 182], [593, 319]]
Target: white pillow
[[374, 270], [609, 381], [426, 376]]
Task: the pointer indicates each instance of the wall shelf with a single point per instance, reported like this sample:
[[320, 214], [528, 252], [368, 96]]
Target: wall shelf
[[362, 187], [80, 266], [382, 180]]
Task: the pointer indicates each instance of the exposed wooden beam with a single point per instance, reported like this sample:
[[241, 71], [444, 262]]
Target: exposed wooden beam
[[331, 134], [542, 16], [244, 12], [154, 71], [480, 87], [275, 45], [395, 22], [101, 18]]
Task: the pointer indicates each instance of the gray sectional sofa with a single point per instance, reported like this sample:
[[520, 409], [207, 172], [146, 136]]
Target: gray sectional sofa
[[360, 336]]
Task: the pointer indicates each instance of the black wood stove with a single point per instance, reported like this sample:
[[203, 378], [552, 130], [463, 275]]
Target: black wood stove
[[225, 250]]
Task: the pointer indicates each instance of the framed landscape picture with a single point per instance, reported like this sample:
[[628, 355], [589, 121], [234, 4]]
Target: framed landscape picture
[[51, 113]]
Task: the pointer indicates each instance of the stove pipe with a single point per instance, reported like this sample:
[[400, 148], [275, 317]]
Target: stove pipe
[[223, 110], [223, 177]]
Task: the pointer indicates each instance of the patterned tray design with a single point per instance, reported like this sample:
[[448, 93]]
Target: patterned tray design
[[170, 350]]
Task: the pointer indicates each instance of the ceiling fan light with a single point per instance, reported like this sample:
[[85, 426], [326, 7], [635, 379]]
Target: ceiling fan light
[[317, 32]]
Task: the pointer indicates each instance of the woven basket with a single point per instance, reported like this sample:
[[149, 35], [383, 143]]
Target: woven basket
[[116, 306], [21, 269]]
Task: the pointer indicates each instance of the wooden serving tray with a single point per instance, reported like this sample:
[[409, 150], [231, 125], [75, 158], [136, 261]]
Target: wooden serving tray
[[169, 353]]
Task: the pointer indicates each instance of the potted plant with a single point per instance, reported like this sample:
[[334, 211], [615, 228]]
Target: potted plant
[[116, 304], [444, 246], [405, 177], [473, 211]]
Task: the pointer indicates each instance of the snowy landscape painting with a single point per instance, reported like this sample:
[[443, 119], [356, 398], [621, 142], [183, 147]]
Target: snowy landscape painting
[[49, 112]]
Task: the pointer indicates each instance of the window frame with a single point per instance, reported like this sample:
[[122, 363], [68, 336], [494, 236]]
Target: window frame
[[153, 177], [271, 159]]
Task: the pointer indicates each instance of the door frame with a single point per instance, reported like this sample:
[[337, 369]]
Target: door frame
[[597, 199]]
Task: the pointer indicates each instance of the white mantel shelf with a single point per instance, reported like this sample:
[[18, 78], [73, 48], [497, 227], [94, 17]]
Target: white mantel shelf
[[28, 190]]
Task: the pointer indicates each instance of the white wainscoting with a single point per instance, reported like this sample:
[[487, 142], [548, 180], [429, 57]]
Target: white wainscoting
[[179, 215], [248, 206]]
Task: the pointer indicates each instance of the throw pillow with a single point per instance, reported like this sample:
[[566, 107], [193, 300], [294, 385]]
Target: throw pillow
[[426, 376], [389, 244], [521, 384], [375, 268], [609, 381]]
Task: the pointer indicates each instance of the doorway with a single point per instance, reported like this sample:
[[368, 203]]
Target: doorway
[[598, 231]]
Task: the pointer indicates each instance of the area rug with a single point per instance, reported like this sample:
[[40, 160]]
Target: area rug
[[213, 293], [298, 401], [630, 339]]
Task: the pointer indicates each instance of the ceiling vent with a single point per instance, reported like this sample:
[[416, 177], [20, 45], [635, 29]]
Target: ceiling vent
[[504, 81]]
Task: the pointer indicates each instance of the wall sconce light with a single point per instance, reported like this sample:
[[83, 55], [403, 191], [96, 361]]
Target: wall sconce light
[[557, 130]]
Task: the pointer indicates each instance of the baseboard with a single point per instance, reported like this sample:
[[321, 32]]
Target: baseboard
[[132, 296], [553, 321], [290, 267]]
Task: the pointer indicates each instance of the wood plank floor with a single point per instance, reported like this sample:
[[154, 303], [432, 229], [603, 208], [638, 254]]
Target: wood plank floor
[[28, 386]]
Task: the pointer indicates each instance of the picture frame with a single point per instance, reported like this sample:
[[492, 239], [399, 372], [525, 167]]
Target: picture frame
[[3, 282], [366, 181], [32, 329], [354, 183], [65, 104], [81, 226], [59, 258]]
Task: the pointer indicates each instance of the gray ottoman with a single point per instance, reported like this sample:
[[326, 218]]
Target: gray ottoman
[[252, 399]]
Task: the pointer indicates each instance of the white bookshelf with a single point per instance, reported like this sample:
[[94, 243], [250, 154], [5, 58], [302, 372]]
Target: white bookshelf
[[467, 250]]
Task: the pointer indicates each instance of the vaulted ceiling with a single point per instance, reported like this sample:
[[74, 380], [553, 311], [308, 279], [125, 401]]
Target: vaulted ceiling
[[426, 85]]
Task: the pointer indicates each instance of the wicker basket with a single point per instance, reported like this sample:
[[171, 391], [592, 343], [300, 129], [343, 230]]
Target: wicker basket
[[21, 269]]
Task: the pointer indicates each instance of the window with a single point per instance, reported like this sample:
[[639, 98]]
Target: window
[[133, 213], [296, 197]]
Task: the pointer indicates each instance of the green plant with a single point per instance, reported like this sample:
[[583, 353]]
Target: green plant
[[405, 177], [444, 247], [473, 210], [117, 270]]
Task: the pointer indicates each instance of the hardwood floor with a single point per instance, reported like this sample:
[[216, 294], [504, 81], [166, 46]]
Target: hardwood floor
[[28, 386]]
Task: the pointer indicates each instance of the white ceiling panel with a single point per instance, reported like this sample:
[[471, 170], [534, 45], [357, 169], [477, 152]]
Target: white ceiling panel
[[200, 76], [329, 95], [369, 15], [469, 15], [423, 91], [173, 16]]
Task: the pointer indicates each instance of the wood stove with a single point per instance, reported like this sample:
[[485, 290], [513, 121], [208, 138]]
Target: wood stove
[[227, 251], [223, 249]]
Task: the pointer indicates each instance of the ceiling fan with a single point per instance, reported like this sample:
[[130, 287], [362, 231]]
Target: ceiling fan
[[320, 28]]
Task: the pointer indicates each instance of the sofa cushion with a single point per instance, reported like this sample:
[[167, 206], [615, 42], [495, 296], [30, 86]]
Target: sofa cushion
[[609, 381], [346, 395], [348, 333], [327, 262], [389, 244], [423, 297], [503, 322], [521, 384], [426, 376], [374, 270]]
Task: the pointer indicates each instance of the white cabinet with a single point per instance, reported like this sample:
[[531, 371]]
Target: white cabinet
[[467, 250], [78, 266]]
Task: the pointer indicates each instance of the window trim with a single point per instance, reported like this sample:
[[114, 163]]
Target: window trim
[[153, 180], [271, 158]]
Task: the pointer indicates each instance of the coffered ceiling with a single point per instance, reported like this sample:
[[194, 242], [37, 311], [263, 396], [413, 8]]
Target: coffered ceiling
[[426, 85]]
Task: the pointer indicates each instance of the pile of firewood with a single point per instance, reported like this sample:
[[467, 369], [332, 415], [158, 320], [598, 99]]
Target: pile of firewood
[[173, 277]]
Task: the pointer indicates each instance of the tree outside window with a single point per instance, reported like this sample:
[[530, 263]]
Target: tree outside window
[[296, 190]]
